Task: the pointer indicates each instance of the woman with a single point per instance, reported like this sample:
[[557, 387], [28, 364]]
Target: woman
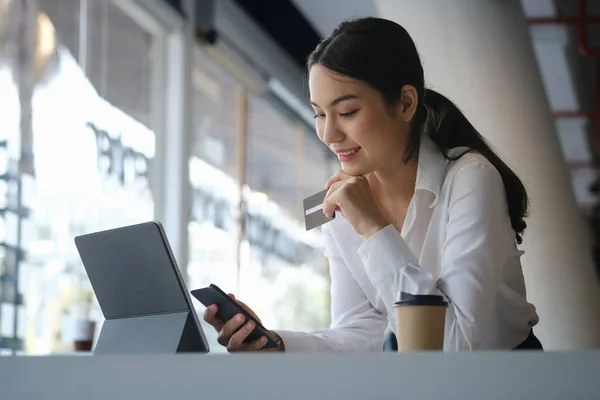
[[427, 206]]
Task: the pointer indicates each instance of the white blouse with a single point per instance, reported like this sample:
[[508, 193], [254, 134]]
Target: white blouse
[[457, 241]]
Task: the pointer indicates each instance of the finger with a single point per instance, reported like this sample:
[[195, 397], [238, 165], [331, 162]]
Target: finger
[[253, 346], [210, 316], [248, 309], [330, 203], [237, 339], [339, 176], [344, 175], [229, 329], [335, 178], [231, 295], [258, 344]]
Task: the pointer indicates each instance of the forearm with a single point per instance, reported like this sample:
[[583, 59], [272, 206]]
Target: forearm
[[338, 340]]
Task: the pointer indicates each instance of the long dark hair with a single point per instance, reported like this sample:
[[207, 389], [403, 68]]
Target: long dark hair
[[382, 54]]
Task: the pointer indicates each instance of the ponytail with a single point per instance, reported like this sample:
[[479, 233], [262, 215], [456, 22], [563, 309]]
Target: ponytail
[[448, 127]]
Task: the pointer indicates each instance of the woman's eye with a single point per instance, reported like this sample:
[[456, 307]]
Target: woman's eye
[[321, 116], [348, 114]]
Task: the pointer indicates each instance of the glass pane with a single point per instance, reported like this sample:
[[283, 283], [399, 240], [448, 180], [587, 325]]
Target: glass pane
[[91, 146], [213, 228], [115, 53], [282, 271], [285, 275]]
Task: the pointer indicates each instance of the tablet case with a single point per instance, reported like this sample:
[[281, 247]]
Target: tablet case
[[145, 303]]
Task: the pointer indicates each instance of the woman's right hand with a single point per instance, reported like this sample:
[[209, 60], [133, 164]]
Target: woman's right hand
[[230, 334]]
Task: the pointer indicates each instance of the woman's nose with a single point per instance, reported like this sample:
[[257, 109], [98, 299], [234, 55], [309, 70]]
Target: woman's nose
[[332, 134]]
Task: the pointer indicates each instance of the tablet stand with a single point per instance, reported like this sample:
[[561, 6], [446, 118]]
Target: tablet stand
[[171, 333]]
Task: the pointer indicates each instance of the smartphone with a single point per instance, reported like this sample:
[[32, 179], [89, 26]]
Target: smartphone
[[229, 308]]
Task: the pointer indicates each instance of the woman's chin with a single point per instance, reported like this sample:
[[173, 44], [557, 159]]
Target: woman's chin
[[354, 169]]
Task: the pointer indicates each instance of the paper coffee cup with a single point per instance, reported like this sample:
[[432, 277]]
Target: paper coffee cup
[[420, 322], [83, 335]]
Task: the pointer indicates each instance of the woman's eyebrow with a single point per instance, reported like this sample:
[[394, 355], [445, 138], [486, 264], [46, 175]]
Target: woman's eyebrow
[[338, 100]]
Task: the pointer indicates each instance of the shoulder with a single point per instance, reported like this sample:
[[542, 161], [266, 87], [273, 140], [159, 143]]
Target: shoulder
[[468, 162], [462, 159], [472, 172]]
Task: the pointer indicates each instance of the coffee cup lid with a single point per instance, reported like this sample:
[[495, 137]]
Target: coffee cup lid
[[407, 299]]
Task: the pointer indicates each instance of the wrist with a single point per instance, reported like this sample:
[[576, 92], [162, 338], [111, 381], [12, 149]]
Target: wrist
[[371, 229], [279, 341]]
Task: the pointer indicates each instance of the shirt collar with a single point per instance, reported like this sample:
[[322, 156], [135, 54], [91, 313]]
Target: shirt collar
[[431, 169]]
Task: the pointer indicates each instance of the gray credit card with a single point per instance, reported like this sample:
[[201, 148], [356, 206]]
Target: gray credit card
[[313, 210]]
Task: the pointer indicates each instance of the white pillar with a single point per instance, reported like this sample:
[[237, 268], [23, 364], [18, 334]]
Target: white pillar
[[479, 54], [172, 112]]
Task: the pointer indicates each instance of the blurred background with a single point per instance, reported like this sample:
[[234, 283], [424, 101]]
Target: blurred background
[[195, 113]]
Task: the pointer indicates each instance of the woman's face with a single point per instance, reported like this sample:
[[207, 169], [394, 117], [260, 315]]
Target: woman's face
[[353, 120]]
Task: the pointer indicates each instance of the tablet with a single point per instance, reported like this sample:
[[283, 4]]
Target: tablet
[[146, 305]]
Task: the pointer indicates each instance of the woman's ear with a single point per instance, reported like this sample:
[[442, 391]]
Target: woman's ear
[[409, 101]]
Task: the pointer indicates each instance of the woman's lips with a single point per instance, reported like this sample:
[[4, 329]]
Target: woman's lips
[[347, 155]]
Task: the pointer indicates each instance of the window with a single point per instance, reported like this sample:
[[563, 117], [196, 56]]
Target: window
[[90, 158], [286, 275], [274, 266]]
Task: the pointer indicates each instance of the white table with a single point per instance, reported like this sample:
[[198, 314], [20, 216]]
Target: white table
[[501, 375]]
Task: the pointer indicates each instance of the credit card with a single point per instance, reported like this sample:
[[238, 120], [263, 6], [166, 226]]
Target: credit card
[[313, 210]]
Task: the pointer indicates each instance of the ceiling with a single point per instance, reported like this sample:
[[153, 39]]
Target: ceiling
[[325, 16]]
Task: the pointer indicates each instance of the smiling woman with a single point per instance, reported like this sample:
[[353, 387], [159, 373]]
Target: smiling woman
[[428, 207]]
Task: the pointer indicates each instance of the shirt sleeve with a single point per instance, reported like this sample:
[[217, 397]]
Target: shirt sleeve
[[479, 240], [356, 325]]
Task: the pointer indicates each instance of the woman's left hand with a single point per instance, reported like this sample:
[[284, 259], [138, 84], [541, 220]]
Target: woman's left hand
[[351, 195]]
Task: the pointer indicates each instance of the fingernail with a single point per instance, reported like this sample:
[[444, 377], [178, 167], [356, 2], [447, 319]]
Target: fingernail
[[240, 318], [263, 340], [213, 307], [250, 325]]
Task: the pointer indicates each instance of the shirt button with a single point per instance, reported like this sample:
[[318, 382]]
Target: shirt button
[[365, 256]]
